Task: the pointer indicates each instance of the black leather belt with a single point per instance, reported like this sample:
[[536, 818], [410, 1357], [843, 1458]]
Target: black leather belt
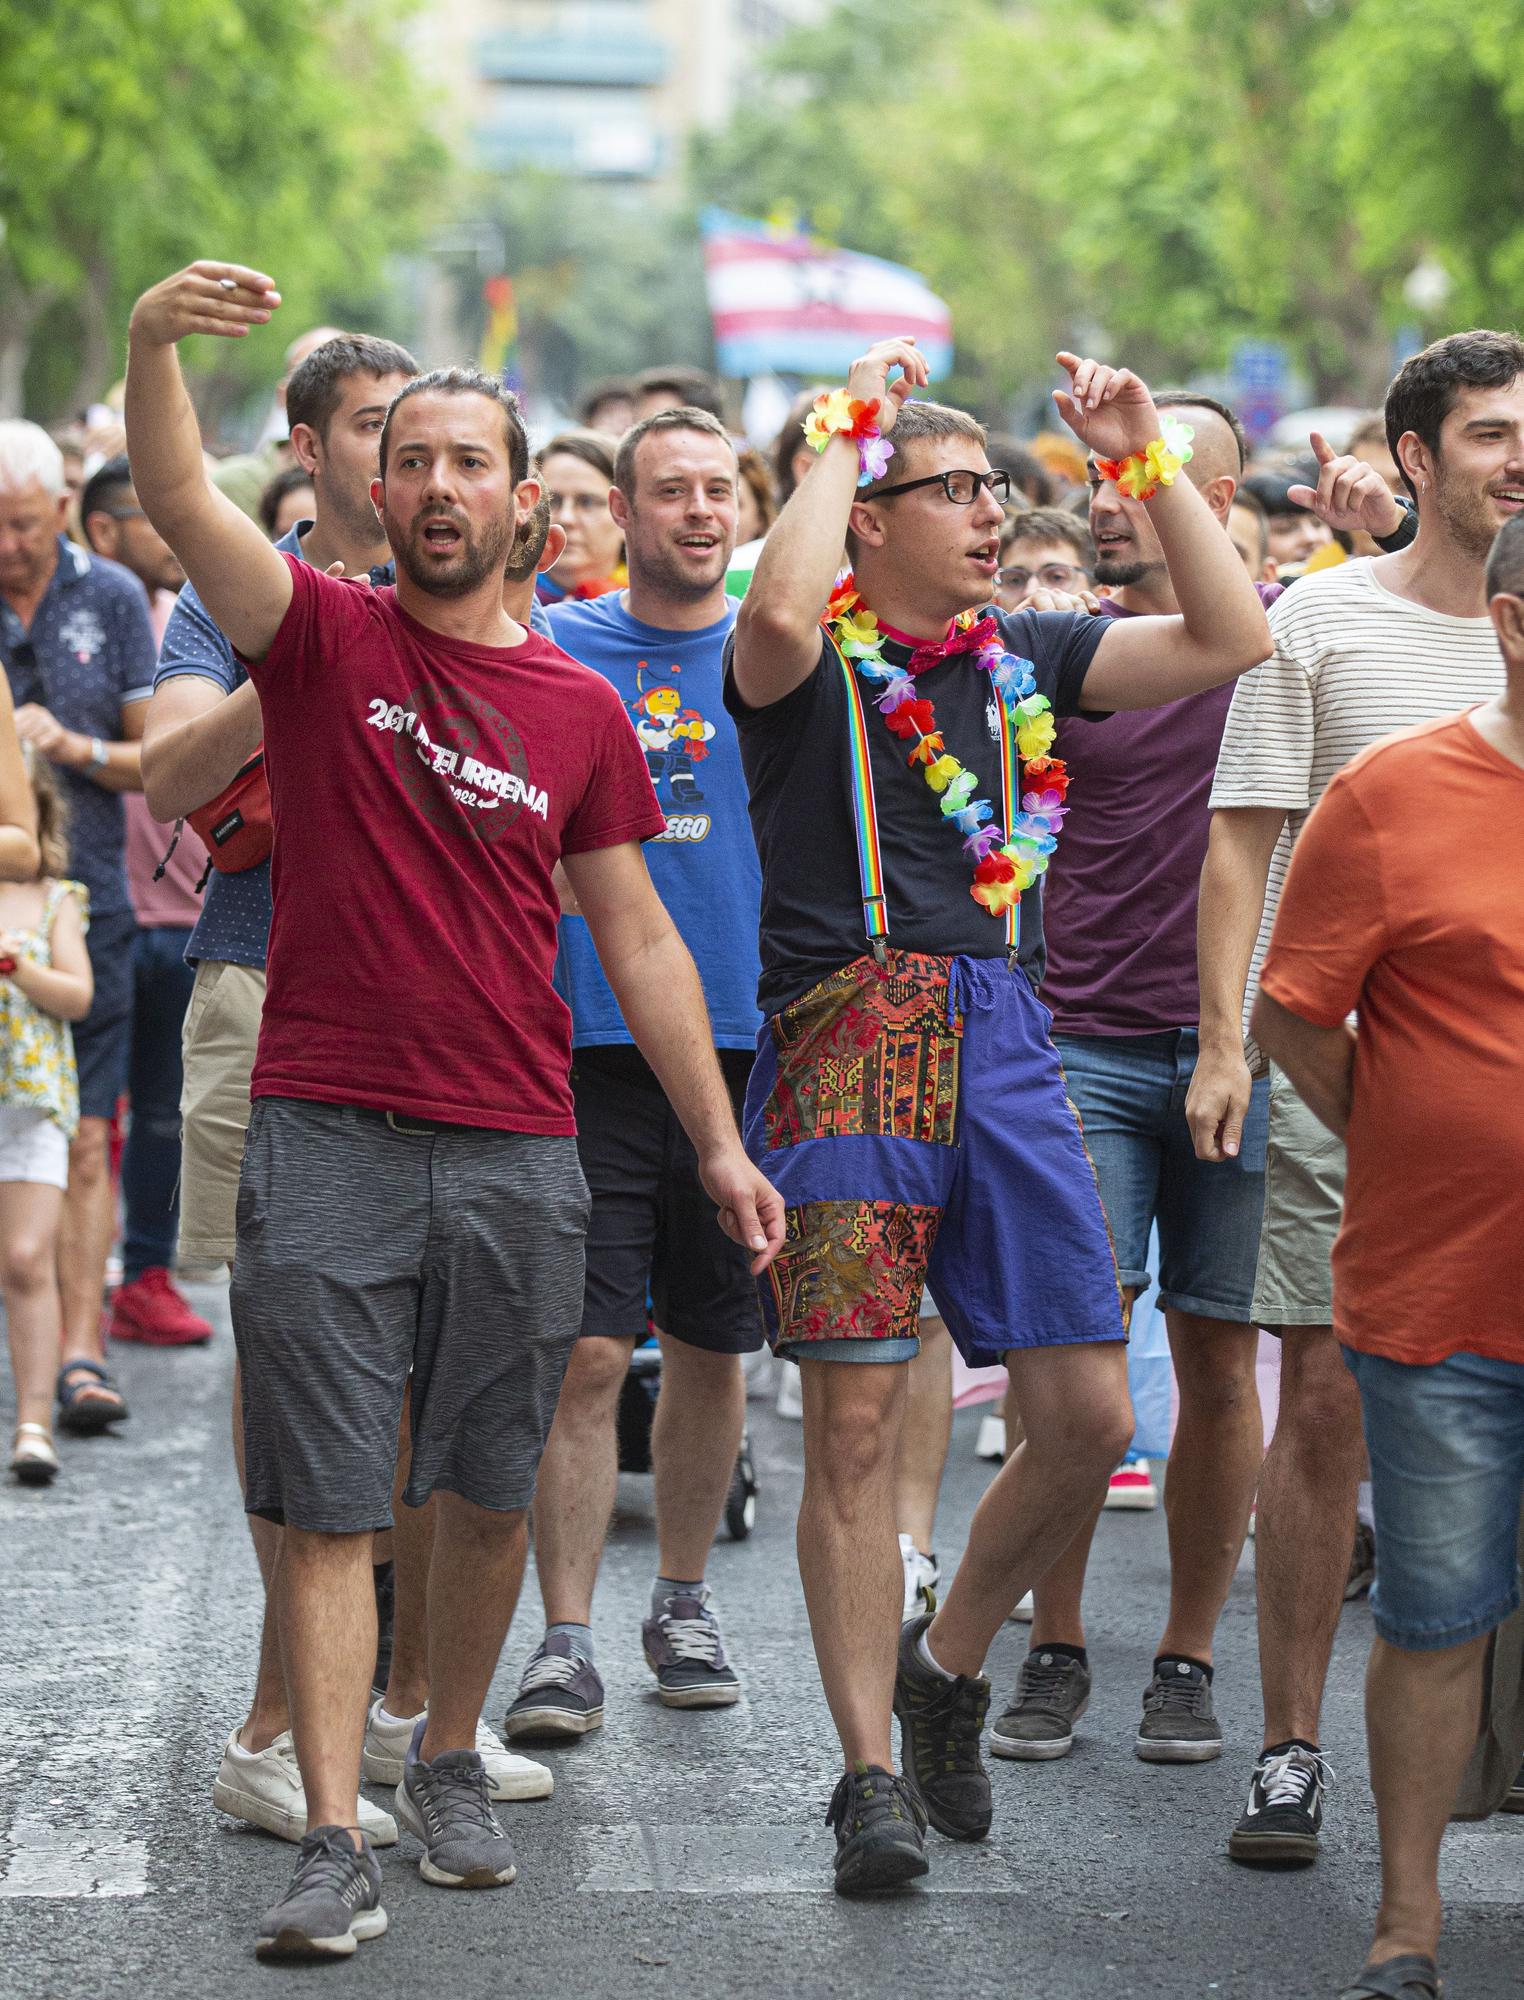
[[411, 1127]]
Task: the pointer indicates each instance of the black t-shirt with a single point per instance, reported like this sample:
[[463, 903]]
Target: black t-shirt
[[796, 757]]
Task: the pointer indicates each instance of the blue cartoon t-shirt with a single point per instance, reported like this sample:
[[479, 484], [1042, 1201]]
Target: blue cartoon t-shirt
[[705, 865]]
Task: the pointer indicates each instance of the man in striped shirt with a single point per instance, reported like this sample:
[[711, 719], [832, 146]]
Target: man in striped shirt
[[1361, 650]]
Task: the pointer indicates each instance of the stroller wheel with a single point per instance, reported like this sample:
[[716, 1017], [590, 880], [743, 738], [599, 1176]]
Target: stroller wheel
[[741, 1500]]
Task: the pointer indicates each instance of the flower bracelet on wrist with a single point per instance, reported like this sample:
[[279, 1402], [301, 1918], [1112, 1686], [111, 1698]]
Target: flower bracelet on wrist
[[838, 414], [1142, 473]]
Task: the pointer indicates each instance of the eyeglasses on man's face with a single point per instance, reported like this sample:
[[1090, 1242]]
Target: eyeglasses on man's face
[[1051, 576], [961, 487]]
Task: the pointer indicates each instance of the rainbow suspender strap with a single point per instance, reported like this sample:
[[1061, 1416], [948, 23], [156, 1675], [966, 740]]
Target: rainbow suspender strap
[[870, 859]]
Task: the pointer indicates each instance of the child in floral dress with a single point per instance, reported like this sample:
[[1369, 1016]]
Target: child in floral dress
[[45, 982]]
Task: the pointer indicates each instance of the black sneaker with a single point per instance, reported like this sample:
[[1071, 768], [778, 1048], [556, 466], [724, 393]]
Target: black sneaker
[[1178, 1725], [880, 1827], [333, 1903], [1052, 1694], [941, 1722], [1285, 1811], [560, 1693], [1362, 1564]]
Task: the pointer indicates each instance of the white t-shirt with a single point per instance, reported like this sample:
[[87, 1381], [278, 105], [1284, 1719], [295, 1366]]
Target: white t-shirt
[[1352, 662]]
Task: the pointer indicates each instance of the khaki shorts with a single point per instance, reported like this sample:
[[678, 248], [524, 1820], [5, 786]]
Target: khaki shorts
[[1304, 1200], [221, 1030]]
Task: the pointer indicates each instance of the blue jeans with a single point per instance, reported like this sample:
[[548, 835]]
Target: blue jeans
[[1447, 1481], [1129, 1091], [162, 983]]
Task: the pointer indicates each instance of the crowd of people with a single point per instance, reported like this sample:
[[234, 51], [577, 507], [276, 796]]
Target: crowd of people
[[521, 902]]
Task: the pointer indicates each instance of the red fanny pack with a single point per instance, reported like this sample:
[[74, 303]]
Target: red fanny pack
[[235, 826]]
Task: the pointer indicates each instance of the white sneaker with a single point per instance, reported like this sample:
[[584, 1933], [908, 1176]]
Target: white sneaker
[[990, 1442], [922, 1575], [790, 1402], [1025, 1610], [509, 1776], [264, 1787]]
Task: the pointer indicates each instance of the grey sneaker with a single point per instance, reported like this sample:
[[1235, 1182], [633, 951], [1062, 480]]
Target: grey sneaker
[[445, 1804], [560, 1693], [685, 1651], [1052, 1694], [940, 1725], [333, 1903], [1178, 1725]]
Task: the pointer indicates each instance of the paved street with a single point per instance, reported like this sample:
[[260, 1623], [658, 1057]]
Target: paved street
[[681, 1852]]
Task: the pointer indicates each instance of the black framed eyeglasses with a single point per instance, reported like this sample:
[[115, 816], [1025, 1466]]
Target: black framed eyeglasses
[[961, 488]]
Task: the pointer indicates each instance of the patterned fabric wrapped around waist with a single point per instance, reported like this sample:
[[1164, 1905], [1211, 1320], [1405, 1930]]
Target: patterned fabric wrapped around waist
[[871, 1051]]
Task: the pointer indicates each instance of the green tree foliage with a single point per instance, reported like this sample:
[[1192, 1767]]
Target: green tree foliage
[[1159, 177], [282, 133]]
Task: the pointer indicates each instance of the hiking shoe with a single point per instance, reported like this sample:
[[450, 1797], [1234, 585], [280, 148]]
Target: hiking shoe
[[508, 1777], [560, 1693], [1131, 1488], [1362, 1564], [151, 1311], [1285, 1811], [333, 1903], [1052, 1693], [880, 1827], [264, 1788], [941, 1721], [445, 1805], [1178, 1725], [685, 1651], [922, 1575]]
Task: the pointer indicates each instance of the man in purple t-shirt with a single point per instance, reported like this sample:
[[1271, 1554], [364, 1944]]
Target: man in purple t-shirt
[[1121, 982]]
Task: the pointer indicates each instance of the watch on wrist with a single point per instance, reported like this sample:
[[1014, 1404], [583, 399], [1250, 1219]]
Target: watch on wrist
[[1404, 531], [98, 754]]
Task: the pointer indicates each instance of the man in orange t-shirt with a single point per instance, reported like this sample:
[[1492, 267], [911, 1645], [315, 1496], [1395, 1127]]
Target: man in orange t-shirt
[[1406, 900]]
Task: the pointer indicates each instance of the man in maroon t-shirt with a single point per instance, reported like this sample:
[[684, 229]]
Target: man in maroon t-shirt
[[411, 1200]]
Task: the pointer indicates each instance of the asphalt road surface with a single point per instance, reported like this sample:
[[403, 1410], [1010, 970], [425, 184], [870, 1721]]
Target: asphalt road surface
[[682, 1853]]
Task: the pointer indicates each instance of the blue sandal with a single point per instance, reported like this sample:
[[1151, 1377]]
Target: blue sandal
[[82, 1407]]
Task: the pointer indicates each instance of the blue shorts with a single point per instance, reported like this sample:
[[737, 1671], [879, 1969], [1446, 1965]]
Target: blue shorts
[[103, 1039], [1447, 1481], [1129, 1091], [913, 1118]]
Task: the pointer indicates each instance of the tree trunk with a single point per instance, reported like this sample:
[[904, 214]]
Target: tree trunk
[[20, 311]]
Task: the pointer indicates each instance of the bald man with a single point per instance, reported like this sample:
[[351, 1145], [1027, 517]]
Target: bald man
[[1121, 981]]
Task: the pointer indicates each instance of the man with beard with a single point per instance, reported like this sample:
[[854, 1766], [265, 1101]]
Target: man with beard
[[906, 1095], [1121, 984], [652, 1236], [411, 1201], [1372, 646]]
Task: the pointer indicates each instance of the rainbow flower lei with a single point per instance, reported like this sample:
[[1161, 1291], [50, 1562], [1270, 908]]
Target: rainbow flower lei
[[1006, 861]]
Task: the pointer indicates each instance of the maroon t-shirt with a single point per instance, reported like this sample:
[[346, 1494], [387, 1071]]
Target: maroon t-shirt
[[422, 791], [1121, 889]]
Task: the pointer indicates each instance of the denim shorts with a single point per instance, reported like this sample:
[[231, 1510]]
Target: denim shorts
[[1447, 1481], [1129, 1091]]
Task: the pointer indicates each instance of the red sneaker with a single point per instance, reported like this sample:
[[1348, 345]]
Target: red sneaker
[[151, 1311], [1132, 1487]]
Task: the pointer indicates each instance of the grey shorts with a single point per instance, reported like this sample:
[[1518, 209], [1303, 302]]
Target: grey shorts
[[1304, 1200], [367, 1253]]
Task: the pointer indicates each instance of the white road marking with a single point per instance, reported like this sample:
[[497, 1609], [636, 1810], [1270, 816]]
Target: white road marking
[[756, 1861]]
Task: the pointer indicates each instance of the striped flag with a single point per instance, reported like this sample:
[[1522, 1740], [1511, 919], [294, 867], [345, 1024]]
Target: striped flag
[[785, 303]]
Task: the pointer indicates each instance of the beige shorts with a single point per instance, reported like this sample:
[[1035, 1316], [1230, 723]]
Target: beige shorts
[[221, 1030], [1304, 1199]]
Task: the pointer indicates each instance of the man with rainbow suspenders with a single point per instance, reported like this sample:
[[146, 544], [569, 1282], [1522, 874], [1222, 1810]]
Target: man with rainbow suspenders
[[907, 1101]]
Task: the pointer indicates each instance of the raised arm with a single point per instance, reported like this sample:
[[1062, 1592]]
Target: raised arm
[[1220, 631], [778, 626], [243, 583], [653, 977], [1232, 902]]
